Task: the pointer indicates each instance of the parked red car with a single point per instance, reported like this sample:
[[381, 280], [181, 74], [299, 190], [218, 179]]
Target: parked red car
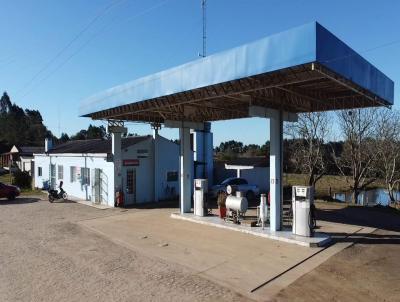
[[9, 192]]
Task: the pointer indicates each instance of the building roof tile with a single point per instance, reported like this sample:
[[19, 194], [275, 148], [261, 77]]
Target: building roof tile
[[95, 145]]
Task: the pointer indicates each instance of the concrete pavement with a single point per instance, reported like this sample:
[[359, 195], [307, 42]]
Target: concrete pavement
[[236, 260]]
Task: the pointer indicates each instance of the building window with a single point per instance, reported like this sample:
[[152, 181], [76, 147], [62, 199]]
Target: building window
[[39, 171], [73, 174], [60, 170], [130, 181], [85, 174], [172, 176], [142, 153]]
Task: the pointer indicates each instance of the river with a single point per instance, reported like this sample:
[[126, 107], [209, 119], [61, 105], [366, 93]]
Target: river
[[370, 197]]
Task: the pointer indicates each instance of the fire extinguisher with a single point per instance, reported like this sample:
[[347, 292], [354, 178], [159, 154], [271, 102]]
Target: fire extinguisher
[[119, 198]]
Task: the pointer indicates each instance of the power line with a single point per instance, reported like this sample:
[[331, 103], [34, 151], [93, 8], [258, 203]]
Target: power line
[[144, 12], [337, 58], [384, 45], [75, 38]]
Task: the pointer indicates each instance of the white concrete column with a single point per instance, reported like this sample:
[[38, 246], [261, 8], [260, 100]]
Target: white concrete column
[[186, 164], [275, 175], [117, 158], [156, 166]]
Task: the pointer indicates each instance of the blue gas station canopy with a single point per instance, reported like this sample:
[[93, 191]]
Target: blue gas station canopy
[[303, 69]]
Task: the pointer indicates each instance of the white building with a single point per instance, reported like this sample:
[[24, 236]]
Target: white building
[[20, 157], [149, 169], [254, 169]]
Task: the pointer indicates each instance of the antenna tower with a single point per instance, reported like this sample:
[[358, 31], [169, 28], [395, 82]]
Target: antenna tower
[[204, 9]]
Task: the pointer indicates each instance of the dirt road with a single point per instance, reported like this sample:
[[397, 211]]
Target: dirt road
[[368, 270], [46, 256]]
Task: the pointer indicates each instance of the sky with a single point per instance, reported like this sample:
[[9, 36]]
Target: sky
[[54, 54]]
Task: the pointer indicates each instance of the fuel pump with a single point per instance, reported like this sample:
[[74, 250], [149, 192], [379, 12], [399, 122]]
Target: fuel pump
[[303, 211], [200, 197]]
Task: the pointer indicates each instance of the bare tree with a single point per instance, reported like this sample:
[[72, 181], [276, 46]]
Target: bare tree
[[388, 148], [356, 162], [309, 152]]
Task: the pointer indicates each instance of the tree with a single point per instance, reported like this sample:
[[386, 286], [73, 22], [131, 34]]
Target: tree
[[309, 153], [388, 148], [96, 132], [19, 126], [230, 149], [92, 132], [64, 138], [252, 150], [356, 163], [231, 146], [5, 103]]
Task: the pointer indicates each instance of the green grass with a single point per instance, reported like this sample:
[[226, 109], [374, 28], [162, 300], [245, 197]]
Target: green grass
[[6, 178], [327, 184]]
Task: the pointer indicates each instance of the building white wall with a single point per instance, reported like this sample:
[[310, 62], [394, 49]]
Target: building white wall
[[258, 176], [144, 172], [151, 174], [25, 163], [146, 178], [42, 161], [75, 189], [167, 161]]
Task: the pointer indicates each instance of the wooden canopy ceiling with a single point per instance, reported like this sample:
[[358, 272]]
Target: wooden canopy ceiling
[[304, 88]]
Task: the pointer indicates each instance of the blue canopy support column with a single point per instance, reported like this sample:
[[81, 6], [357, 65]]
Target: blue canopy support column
[[276, 118], [185, 167], [275, 174], [185, 161], [203, 153]]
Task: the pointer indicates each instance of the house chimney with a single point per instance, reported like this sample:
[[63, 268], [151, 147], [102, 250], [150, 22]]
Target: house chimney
[[48, 144]]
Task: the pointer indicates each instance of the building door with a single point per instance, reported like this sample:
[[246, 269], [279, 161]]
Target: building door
[[97, 186], [103, 187], [100, 187], [130, 192], [53, 181]]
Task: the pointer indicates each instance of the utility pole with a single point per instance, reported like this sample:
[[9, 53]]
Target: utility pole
[[203, 6]]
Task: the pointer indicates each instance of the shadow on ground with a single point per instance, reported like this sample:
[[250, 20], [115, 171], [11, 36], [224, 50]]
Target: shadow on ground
[[156, 205], [63, 201], [380, 218], [372, 238], [21, 200]]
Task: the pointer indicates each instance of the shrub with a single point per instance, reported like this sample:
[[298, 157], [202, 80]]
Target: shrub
[[22, 180]]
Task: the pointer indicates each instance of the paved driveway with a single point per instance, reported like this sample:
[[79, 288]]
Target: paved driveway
[[46, 256], [73, 252]]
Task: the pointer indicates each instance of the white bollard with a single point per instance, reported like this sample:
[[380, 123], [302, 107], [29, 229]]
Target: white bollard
[[263, 209]]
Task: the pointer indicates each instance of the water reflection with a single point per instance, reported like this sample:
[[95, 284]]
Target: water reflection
[[368, 198]]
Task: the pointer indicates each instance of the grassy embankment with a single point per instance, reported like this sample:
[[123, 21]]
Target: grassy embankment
[[326, 185], [7, 179]]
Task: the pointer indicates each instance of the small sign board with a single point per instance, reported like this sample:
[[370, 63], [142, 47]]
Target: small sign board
[[130, 162]]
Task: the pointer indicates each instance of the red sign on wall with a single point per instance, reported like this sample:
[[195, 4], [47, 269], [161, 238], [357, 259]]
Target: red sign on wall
[[130, 162]]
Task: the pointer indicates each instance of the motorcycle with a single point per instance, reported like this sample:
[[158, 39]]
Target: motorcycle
[[54, 195]]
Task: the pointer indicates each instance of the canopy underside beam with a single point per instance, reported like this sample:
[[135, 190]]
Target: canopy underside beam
[[305, 88]]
